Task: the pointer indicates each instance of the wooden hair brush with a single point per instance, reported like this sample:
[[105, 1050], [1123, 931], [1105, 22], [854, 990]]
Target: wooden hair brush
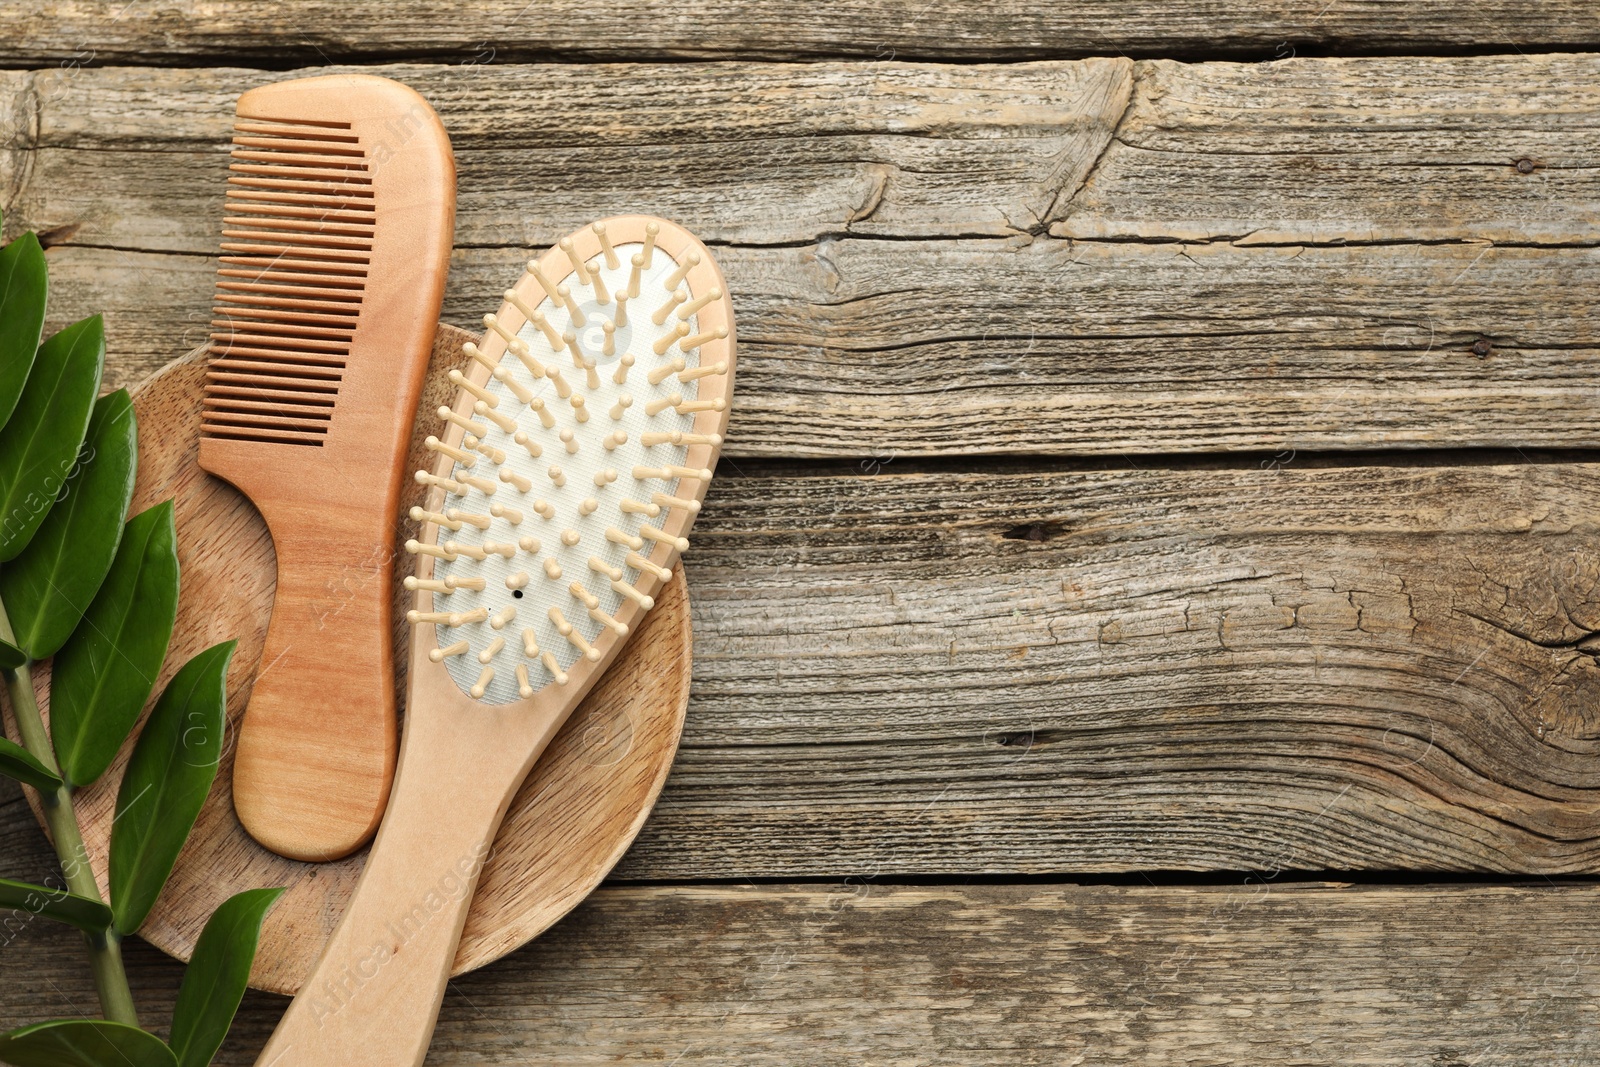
[[340, 212], [569, 470]]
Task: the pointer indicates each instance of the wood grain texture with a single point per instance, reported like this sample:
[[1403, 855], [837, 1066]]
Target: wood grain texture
[[569, 823], [1258, 973], [1150, 257], [487, 31], [1025, 670], [317, 363]]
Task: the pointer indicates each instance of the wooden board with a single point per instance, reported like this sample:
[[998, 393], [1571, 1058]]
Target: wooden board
[[1155, 257], [568, 825], [1262, 973], [498, 31]]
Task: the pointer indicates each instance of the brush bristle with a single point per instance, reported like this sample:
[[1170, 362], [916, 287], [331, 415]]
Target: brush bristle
[[569, 460], [296, 246]]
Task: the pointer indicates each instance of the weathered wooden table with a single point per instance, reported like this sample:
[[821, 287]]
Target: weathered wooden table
[[1151, 608]]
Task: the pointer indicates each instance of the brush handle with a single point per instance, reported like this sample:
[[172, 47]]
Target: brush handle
[[373, 998], [317, 744]]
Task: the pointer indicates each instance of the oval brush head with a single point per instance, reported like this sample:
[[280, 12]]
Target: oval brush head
[[574, 459]]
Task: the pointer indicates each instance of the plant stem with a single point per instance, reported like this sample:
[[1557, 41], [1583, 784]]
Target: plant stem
[[105, 950]]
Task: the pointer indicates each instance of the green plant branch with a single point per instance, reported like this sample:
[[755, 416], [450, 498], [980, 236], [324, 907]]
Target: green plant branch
[[105, 949]]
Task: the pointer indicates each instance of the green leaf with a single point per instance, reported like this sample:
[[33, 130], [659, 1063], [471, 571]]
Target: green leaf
[[57, 904], [168, 777], [103, 675], [40, 441], [24, 285], [11, 657], [218, 971], [18, 763], [48, 587], [84, 1043]]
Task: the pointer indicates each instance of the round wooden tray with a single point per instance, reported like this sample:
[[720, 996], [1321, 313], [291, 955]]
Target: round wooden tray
[[573, 818]]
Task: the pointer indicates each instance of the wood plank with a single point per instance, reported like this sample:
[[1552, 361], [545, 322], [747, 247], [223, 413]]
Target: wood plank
[[1310, 668], [1257, 973], [877, 350], [488, 31], [901, 226]]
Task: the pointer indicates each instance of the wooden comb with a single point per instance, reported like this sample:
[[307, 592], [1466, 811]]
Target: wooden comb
[[335, 245]]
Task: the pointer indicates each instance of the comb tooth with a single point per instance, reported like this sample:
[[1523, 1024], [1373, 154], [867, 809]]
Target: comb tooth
[[242, 419], [564, 294], [511, 477], [503, 618], [449, 415], [539, 276], [490, 651], [438, 655], [524, 687], [298, 225], [616, 536], [511, 515], [650, 533], [460, 381], [703, 338], [423, 515], [482, 522], [417, 548], [557, 475], [580, 408], [505, 422], [579, 592], [426, 478], [676, 278], [530, 643], [294, 238], [624, 402], [671, 471], [292, 294], [431, 585], [600, 566], [690, 407], [552, 570], [622, 309], [433, 444], [570, 632], [676, 297], [660, 404], [514, 387], [494, 455], [528, 544], [623, 365], [639, 563], [678, 438], [518, 580], [608, 347], [470, 551], [555, 670], [498, 549], [599, 229], [624, 589], [650, 231], [633, 507], [637, 262], [699, 302], [454, 582], [477, 356], [482, 485], [703, 372], [534, 448], [579, 267], [666, 370], [481, 686], [599, 286], [615, 440], [670, 338], [615, 626], [563, 390]]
